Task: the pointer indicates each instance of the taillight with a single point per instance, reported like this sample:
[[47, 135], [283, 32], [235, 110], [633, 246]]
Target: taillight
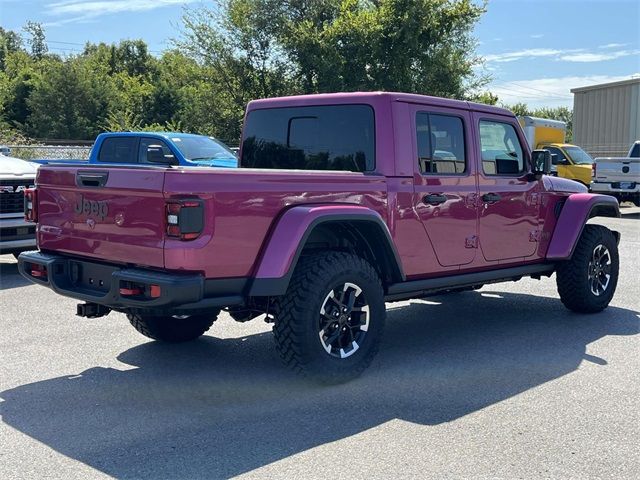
[[30, 205], [593, 170], [185, 219], [39, 271]]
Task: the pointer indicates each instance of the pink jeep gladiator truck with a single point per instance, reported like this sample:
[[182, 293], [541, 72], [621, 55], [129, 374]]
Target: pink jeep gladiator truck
[[342, 202]]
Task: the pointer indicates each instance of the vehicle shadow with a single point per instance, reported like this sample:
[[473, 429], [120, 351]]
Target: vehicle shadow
[[627, 215], [218, 408], [9, 276], [629, 210]]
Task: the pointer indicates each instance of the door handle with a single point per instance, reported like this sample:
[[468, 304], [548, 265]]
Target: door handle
[[434, 199], [491, 198]]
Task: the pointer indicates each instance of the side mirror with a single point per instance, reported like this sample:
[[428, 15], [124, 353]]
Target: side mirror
[[155, 154], [541, 162]]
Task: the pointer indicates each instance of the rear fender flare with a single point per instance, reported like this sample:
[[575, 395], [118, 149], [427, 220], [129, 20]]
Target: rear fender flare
[[577, 209], [287, 240]]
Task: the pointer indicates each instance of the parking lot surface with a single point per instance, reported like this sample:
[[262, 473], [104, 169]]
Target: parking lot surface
[[500, 383]]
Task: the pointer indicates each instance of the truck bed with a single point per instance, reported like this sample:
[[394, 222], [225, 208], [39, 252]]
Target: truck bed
[[124, 219]]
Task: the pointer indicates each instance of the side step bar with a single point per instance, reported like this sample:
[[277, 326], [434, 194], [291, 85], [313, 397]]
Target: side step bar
[[430, 286]]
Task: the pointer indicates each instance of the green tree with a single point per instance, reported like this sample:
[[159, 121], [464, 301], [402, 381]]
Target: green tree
[[10, 42], [69, 99], [261, 48], [16, 80], [37, 41]]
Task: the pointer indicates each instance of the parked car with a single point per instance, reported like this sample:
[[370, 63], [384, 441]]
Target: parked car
[[183, 149], [342, 202], [16, 176], [567, 160], [619, 176]]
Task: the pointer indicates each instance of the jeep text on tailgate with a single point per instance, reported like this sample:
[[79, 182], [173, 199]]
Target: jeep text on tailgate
[[342, 202]]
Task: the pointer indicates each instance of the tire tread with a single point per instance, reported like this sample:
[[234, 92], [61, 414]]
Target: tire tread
[[570, 276], [310, 274]]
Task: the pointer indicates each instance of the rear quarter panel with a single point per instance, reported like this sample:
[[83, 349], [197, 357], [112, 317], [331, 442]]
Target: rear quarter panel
[[243, 206]]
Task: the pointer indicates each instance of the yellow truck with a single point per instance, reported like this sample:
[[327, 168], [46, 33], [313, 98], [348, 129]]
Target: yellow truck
[[568, 161]]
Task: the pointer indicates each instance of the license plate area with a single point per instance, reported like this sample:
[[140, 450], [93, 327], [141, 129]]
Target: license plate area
[[90, 277]]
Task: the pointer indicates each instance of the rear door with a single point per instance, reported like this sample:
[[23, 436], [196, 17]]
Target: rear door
[[445, 182], [508, 199], [115, 213]]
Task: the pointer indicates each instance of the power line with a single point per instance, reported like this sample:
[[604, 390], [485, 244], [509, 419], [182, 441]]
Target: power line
[[538, 90], [84, 44], [525, 94]]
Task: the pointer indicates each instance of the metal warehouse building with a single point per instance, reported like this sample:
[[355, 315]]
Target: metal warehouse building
[[606, 117]]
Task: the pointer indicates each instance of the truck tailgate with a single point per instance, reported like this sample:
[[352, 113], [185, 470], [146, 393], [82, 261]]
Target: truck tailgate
[[115, 213], [617, 169]]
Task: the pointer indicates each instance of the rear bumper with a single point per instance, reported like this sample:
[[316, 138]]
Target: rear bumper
[[610, 188], [103, 283]]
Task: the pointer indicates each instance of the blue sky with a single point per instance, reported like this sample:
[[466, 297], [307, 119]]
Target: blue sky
[[535, 50]]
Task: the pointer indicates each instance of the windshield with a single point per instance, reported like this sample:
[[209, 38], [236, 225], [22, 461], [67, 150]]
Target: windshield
[[578, 156], [202, 149]]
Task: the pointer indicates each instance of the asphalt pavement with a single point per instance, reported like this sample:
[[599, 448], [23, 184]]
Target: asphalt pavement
[[500, 383]]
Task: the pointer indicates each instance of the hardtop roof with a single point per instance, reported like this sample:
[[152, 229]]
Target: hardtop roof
[[372, 98]]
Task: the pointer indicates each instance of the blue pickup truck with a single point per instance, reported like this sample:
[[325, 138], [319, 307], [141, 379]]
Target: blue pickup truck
[[184, 149]]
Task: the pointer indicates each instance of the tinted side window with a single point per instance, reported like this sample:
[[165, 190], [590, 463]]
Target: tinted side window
[[557, 156], [440, 144], [119, 150], [332, 137], [635, 151], [501, 150], [143, 150]]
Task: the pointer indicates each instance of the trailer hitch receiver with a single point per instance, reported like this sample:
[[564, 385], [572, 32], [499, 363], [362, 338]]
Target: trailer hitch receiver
[[92, 310]]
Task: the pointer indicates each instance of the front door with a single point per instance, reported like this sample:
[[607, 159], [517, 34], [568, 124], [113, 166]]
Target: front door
[[445, 183], [508, 197]]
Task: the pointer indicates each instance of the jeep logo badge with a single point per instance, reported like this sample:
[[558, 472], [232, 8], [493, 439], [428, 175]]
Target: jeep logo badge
[[92, 208]]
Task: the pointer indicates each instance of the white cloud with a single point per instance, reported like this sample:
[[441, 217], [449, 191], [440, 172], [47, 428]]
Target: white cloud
[[537, 35], [566, 55], [520, 54], [598, 57], [80, 10], [613, 45], [549, 92]]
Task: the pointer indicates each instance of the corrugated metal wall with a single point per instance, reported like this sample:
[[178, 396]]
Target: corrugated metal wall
[[606, 120]]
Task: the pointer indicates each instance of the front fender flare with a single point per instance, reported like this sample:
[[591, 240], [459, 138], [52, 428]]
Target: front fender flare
[[288, 237], [577, 209]]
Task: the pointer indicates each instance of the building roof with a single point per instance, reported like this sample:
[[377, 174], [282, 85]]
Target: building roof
[[630, 81]]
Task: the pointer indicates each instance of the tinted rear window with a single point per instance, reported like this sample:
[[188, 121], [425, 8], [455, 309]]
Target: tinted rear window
[[119, 150], [332, 137]]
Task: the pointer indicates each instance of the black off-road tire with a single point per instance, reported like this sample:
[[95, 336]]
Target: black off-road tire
[[573, 278], [298, 318], [172, 329]]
